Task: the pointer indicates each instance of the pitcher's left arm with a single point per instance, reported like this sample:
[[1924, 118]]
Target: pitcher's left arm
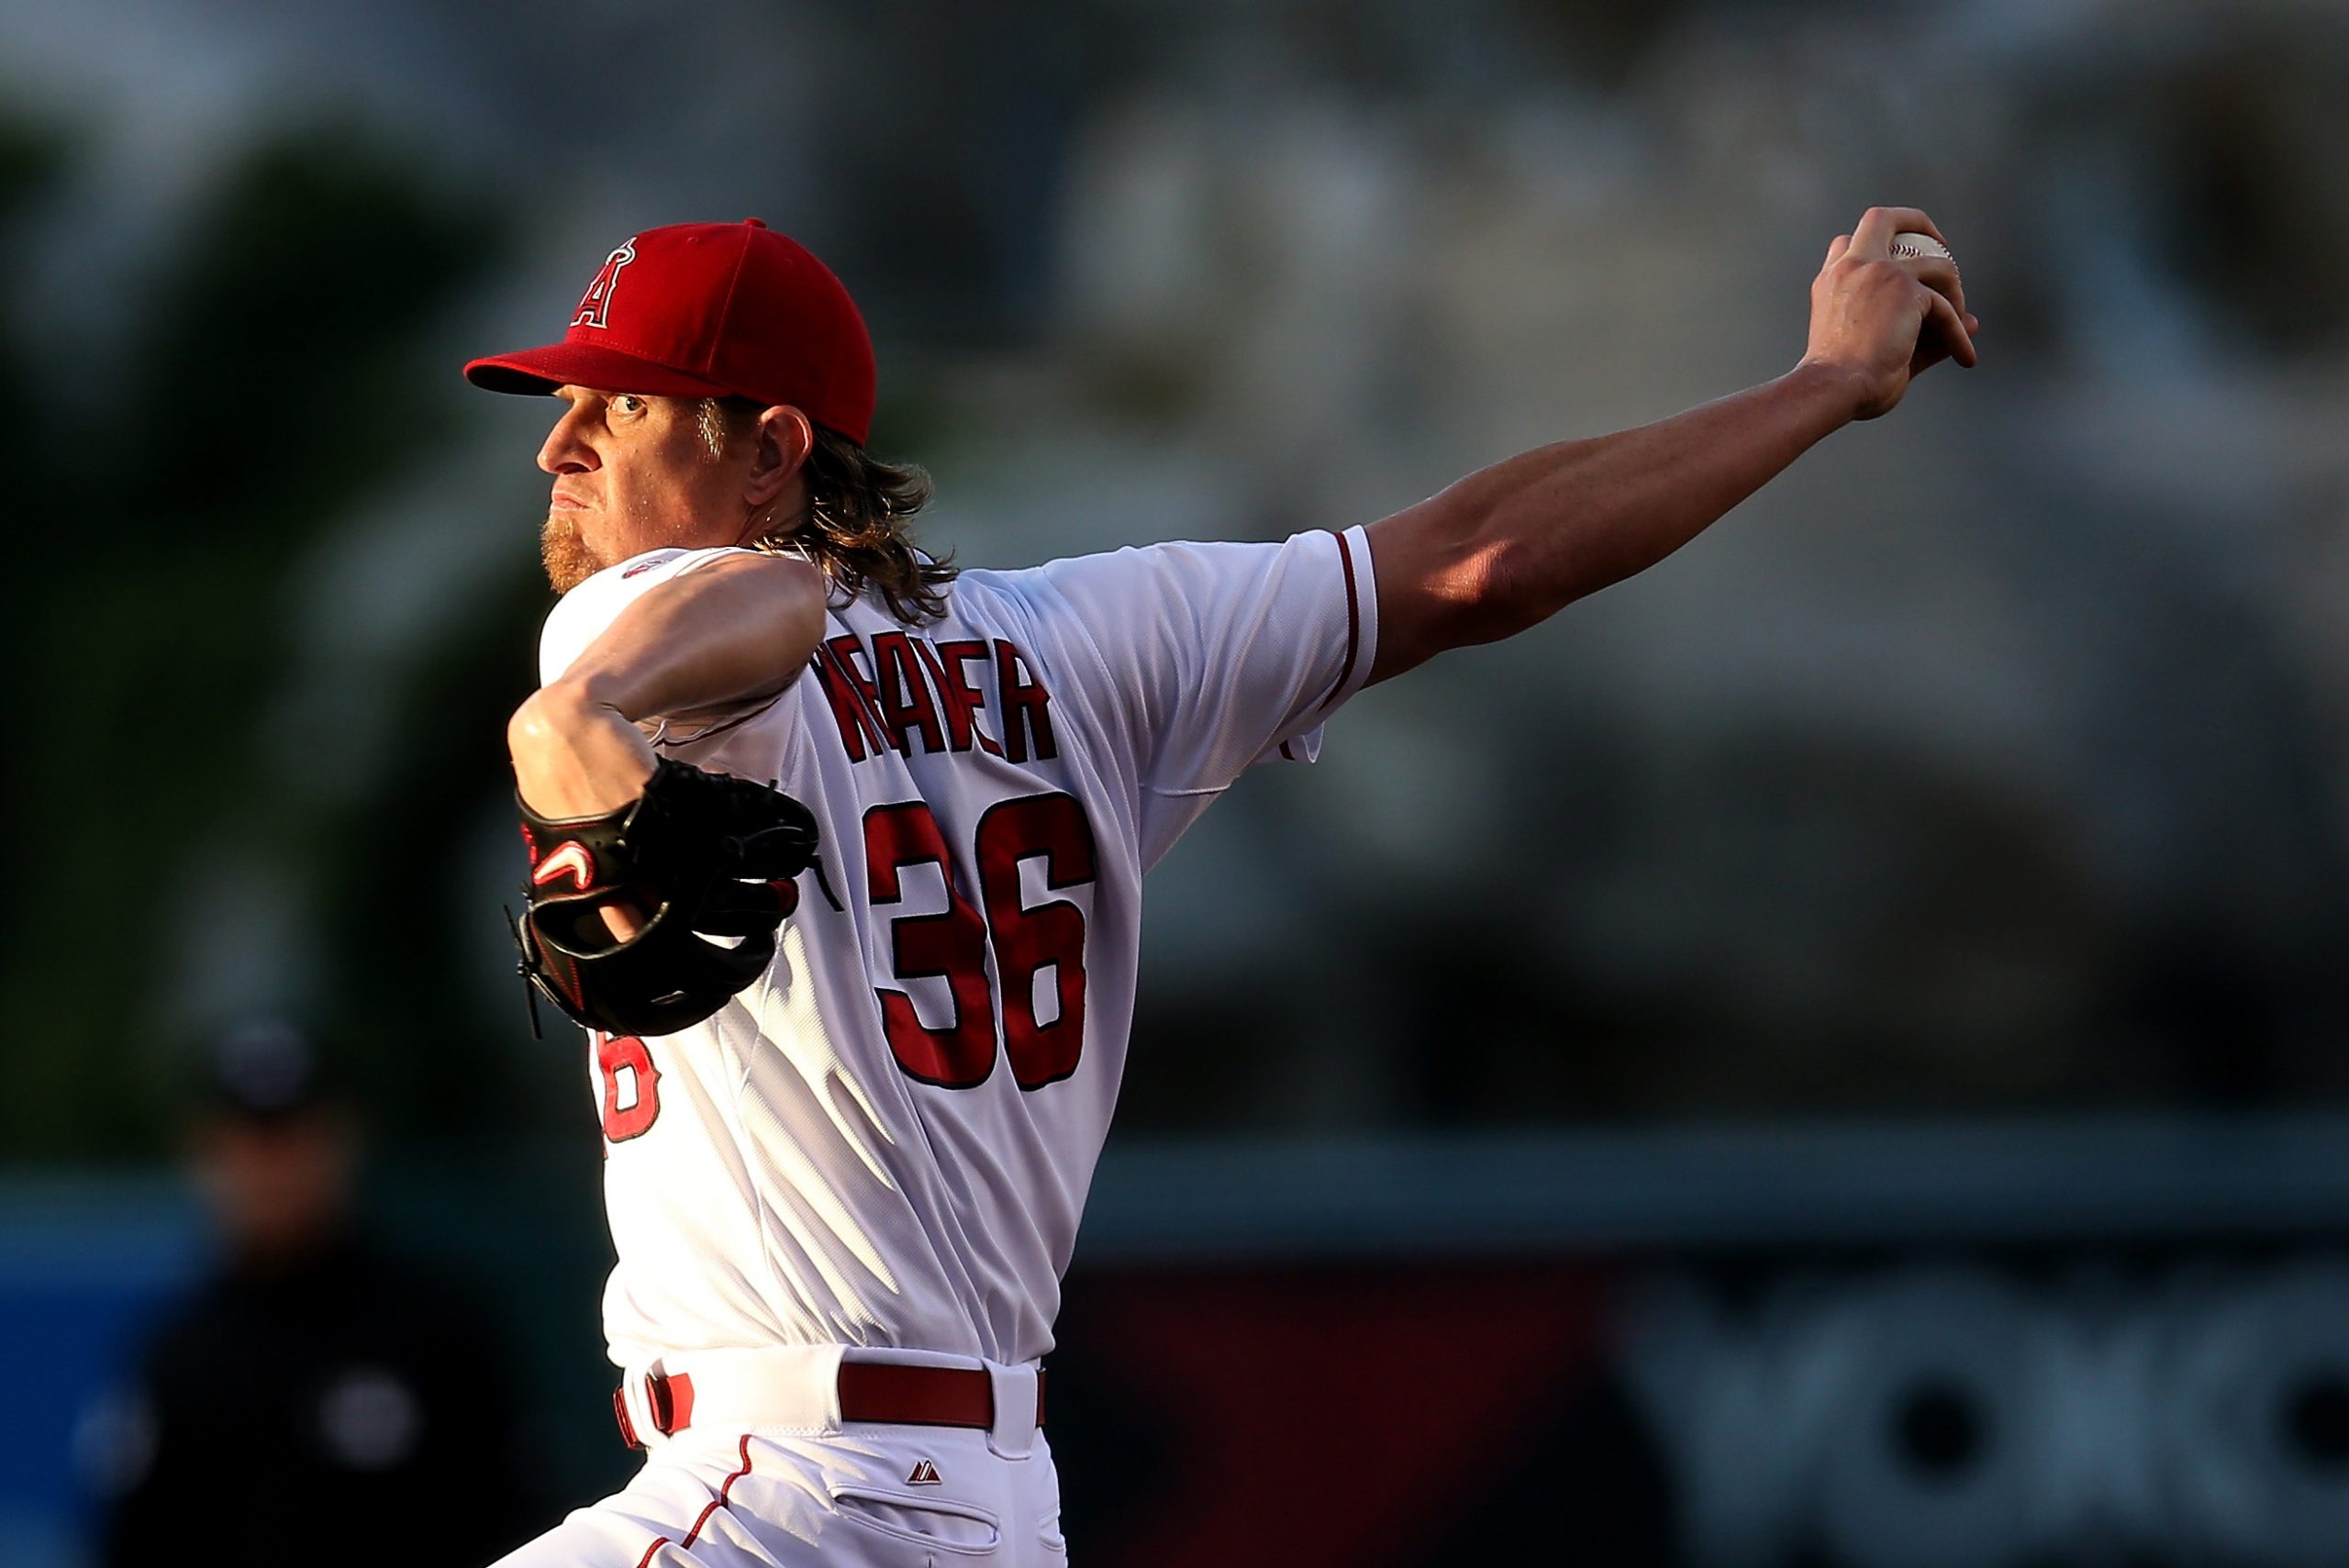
[[736, 629]]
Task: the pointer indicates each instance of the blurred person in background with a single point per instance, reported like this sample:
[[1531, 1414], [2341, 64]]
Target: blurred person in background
[[317, 1397]]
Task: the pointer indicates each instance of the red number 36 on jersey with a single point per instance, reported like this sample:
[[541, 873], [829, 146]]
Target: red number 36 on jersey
[[954, 943]]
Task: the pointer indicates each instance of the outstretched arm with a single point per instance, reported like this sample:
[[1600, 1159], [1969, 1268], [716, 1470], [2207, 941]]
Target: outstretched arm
[[1513, 544], [736, 629]]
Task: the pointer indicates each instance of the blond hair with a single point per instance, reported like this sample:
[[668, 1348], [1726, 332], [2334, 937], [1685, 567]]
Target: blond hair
[[856, 527]]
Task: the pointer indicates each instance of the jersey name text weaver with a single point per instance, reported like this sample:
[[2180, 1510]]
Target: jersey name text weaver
[[885, 692]]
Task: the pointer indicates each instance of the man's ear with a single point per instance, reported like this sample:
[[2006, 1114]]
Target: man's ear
[[784, 439]]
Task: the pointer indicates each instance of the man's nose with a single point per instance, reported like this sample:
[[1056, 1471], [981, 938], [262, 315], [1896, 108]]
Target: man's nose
[[565, 451]]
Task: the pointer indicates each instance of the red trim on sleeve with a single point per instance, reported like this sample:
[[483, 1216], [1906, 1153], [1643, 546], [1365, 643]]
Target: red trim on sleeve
[[1353, 622]]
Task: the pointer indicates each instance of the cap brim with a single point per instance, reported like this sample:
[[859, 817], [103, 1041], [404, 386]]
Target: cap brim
[[537, 371]]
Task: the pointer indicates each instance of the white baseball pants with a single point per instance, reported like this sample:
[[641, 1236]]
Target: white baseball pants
[[768, 1476]]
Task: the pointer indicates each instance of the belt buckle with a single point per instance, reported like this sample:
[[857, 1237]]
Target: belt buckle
[[669, 1398]]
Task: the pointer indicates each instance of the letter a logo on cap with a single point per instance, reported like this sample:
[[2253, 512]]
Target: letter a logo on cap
[[596, 304]]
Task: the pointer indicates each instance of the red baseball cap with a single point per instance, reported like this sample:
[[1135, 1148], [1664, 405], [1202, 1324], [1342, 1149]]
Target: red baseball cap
[[709, 310]]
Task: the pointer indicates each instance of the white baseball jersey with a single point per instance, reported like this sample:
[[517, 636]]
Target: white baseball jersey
[[886, 1141]]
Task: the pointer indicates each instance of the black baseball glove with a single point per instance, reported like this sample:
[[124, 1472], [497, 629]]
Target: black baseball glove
[[697, 855]]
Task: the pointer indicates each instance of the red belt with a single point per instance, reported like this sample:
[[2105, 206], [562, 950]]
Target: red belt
[[890, 1392]]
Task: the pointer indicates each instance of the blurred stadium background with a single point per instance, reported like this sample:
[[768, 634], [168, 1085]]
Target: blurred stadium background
[[1830, 1053]]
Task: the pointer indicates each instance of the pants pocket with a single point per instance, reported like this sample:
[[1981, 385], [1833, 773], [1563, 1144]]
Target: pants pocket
[[939, 1523], [1049, 1533]]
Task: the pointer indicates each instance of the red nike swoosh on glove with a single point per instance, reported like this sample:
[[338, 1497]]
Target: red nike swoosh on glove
[[572, 860]]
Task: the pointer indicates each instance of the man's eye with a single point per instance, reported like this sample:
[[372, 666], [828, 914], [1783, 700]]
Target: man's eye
[[628, 403]]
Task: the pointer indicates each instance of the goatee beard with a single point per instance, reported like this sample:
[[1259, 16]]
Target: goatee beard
[[564, 556]]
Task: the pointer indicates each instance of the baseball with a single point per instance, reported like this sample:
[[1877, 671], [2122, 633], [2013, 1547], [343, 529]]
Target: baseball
[[1915, 244]]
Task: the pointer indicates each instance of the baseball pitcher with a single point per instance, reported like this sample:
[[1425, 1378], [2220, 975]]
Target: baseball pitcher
[[837, 853]]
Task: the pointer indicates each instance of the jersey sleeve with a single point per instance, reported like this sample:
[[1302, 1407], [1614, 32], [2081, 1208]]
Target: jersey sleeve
[[580, 616], [1220, 656]]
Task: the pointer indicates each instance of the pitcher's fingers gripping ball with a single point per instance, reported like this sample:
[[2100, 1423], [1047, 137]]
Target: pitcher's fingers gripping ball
[[712, 856], [1930, 261], [1889, 303]]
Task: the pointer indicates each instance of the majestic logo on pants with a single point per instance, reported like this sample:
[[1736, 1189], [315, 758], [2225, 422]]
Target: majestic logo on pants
[[925, 1474], [596, 304]]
